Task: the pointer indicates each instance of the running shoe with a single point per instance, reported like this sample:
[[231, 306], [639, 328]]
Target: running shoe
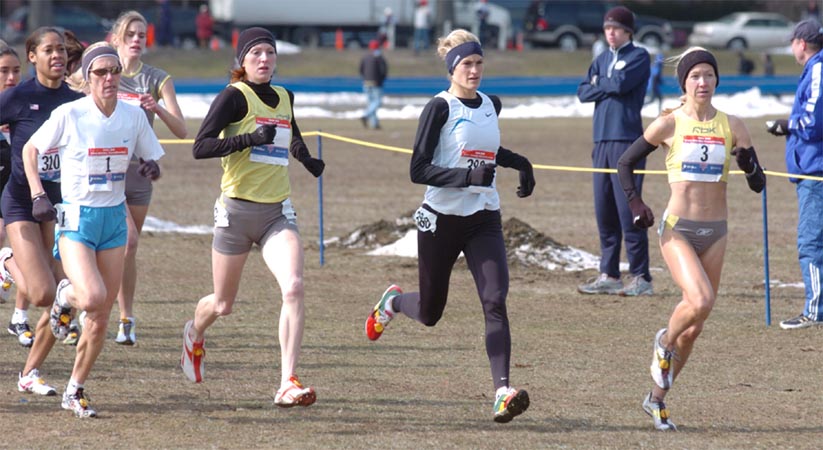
[[23, 332], [79, 404], [34, 384], [60, 318], [294, 394], [795, 323], [74, 334], [510, 404], [381, 315], [661, 367], [637, 286], [194, 354], [658, 412], [602, 284], [6, 281], [125, 334]]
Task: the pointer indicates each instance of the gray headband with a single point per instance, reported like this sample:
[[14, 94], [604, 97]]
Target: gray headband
[[90, 56]]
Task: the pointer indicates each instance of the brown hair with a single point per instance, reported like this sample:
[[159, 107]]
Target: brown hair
[[238, 74], [118, 30], [36, 37], [74, 51]]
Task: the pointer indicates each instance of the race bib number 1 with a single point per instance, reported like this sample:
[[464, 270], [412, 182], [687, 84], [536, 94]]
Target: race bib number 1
[[68, 216], [276, 153], [106, 166], [48, 165]]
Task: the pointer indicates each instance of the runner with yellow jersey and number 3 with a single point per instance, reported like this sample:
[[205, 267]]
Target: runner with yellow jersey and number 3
[[251, 126], [701, 142], [96, 137]]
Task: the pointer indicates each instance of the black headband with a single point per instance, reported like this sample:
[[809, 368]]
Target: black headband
[[463, 50], [251, 37], [692, 59]]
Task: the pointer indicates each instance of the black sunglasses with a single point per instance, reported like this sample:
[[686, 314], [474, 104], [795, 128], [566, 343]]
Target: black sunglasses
[[114, 70]]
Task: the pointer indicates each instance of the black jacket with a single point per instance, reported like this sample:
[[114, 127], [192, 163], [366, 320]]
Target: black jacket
[[373, 69]]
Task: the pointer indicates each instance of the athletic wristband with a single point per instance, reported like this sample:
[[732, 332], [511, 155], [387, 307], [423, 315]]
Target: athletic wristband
[[36, 196]]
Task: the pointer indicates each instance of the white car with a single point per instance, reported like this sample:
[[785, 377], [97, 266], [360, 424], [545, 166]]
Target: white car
[[743, 30]]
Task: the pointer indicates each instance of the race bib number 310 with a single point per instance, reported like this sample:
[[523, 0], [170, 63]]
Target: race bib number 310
[[48, 165]]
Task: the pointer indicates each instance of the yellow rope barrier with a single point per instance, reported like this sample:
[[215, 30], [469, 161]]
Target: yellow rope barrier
[[536, 166]]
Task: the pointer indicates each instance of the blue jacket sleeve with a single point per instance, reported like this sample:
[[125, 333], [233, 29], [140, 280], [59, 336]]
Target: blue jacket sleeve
[[808, 124], [588, 92]]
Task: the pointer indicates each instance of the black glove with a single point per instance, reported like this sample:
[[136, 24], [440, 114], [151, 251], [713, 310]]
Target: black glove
[[263, 135], [642, 214], [149, 169], [482, 175], [526, 182], [746, 159], [314, 166], [779, 127], [42, 209]]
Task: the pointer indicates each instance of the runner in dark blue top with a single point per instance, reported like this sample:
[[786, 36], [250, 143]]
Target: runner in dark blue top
[[24, 109]]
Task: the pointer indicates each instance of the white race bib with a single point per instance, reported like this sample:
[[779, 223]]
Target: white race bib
[[68, 216], [703, 158], [288, 212], [48, 165], [476, 158], [129, 97], [425, 220], [107, 165], [221, 216], [276, 153]]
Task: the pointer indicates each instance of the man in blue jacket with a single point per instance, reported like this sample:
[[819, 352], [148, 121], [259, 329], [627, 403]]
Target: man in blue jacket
[[617, 82], [804, 156]]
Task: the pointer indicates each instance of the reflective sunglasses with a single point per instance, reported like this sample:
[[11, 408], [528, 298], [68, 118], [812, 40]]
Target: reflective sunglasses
[[114, 70]]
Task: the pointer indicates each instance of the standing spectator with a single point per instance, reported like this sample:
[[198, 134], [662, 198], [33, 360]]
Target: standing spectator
[[768, 65], [804, 156], [97, 136], [655, 88], [617, 82], [373, 70], [251, 127], [204, 23], [745, 66], [700, 142], [456, 151], [812, 10], [482, 12], [422, 26], [386, 32], [165, 36]]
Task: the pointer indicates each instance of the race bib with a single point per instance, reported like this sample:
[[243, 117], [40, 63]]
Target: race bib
[[221, 216], [276, 153], [288, 212], [107, 165], [703, 158], [129, 97], [476, 158], [48, 165], [425, 220], [68, 216]]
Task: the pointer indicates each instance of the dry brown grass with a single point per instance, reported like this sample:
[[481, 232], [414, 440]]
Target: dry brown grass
[[583, 359]]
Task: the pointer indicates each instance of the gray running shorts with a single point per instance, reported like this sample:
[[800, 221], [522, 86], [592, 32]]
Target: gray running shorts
[[238, 224], [701, 235], [138, 187]]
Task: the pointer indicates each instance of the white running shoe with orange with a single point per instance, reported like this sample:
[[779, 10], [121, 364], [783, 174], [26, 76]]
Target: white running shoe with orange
[[294, 394]]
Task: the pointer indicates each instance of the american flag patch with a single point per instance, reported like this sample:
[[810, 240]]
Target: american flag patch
[[34, 107]]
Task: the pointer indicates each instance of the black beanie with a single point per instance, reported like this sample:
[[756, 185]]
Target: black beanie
[[692, 59], [620, 16], [249, 38]]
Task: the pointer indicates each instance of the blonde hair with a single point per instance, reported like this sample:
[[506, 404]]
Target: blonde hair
[[118, 30], [452, 40]]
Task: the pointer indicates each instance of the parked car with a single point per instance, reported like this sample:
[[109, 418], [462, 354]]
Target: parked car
[[743, 30], [86, 25], [570, 25]]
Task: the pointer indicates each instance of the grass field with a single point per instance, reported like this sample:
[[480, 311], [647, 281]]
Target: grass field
[[584, 360]]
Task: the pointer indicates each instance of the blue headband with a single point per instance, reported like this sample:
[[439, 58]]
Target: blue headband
[[463, 50]]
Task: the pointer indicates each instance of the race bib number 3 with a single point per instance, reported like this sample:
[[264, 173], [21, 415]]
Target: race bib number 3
[[703, 158], [276, 153], [48, 165], [107, 165]]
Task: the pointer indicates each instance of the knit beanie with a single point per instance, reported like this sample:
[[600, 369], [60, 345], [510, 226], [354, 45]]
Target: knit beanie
[[620, 16], [249, 38]]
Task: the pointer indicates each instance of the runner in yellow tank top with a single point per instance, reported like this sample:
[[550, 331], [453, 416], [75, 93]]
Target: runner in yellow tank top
[[700, 142]]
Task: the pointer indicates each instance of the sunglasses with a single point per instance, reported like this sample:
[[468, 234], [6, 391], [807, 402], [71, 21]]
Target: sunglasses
[[114, 70]]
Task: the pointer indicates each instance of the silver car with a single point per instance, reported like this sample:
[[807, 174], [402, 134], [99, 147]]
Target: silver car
[[743, 30]]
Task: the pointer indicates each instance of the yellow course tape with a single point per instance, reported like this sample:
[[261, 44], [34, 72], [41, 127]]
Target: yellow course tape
[[536, 166]]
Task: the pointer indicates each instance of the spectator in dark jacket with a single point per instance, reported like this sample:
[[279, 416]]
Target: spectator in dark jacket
[[616, 83], [373, 70], [204, 24], [745, 65]]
